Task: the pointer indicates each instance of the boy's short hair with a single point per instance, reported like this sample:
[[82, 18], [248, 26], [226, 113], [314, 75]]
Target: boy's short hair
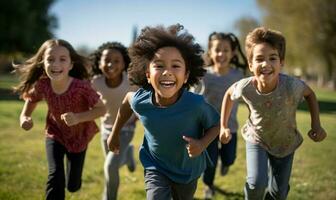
[[264, 35]]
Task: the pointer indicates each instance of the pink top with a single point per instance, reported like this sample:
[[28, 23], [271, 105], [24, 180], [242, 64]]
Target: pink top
[[79, 97]]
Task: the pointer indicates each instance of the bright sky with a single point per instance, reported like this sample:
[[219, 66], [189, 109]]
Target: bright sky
[[91, 23]]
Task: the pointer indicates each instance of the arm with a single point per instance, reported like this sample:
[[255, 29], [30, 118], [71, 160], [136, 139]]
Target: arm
[[195, 147], [74, 118], [227, 104], [26, 121], [124, 113], [317, 133]]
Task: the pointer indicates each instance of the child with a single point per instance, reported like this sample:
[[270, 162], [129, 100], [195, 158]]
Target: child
[[110, 64], [178, 124], [227, 64], [270, 132], [55, 74]]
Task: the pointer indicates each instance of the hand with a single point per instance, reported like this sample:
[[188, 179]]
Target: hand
[[69, 118], [317, 134], [225, 135], [194, 146], [26, 123], [113, 143]]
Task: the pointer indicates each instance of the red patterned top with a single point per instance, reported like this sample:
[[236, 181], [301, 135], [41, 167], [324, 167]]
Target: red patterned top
[[79, 97]]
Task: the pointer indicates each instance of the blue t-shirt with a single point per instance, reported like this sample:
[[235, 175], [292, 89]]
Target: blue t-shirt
[[163, 148]]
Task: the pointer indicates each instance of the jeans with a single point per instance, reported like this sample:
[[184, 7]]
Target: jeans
[[267, 176], [113, 161], [57, 180], [227, 153], [160, 187]]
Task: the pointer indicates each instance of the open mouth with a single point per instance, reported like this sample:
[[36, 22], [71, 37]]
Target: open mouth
[[167, 84], [56, 71], [266, 72]]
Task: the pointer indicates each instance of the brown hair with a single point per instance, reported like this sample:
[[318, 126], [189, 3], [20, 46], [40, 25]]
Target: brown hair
[[264, 35], [32, 69]]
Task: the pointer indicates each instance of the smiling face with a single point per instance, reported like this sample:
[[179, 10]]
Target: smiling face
[[57, 63], [167, 73], [111, 63], [221, 53], [266, 66]]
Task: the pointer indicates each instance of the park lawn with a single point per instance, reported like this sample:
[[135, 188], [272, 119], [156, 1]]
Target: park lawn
[[23, 165]]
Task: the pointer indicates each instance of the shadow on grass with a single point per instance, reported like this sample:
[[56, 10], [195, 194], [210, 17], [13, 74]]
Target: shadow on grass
[[8, 95], [228, 195], [325, 106]]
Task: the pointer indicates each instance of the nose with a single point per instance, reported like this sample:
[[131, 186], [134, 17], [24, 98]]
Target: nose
[[167, 71], [109, 65], [265, 63]]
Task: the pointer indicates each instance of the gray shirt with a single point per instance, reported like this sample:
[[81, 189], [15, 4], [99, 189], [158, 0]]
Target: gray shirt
[[272, 121], [215, 86]]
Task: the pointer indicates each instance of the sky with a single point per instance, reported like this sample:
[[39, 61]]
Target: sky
[[90, 23]]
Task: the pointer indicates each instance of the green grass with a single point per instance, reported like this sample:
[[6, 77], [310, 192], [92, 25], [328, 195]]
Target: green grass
[[23, 165]]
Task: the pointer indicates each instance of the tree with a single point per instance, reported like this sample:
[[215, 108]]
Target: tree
[[25, 25], [244, 25]]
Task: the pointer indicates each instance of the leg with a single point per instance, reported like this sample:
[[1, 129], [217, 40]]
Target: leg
[[210, 171], [56, 178], [184, 191], [228, 154], [112, 164], [280, 171], [257, 165], [158, 186], [75, 163]]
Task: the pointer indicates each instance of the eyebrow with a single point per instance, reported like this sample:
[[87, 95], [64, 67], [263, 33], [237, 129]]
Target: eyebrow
[[174, 60]]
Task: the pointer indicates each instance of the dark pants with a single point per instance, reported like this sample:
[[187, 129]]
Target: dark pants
[[58, 179], [160, 187], [227, 153]]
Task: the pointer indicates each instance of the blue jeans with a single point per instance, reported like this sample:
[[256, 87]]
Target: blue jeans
[[227, 153], [160, 187], [267, 176]]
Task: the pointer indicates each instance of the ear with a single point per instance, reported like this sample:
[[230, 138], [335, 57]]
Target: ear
[[148, 76], [186, 77], [250, 67], [282, 62], [71, 65]]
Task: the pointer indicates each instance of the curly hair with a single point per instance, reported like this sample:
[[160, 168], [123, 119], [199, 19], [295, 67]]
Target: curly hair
[[264, 35], [96, 55], [33, 69], [151, 39], [235, 45]]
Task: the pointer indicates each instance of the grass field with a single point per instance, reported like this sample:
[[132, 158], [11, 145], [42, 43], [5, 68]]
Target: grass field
[[23, 165]]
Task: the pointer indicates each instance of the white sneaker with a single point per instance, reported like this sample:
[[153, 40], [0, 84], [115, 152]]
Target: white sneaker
[[209, 193]]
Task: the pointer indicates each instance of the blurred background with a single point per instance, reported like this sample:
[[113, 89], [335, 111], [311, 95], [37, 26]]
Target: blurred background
[[308, 25]]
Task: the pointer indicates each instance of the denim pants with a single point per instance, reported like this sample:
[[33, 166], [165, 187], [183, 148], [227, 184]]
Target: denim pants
[[267, 176], [160, 187], [57, 180], [227, 153], [114, 161]]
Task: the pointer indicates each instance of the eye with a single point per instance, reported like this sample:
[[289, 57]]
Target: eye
[[176, 66]]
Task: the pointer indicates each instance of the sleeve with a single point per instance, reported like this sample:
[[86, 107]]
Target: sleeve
[[36, 93], [238, 87], [298, 89], [210, 117], [90, 94]]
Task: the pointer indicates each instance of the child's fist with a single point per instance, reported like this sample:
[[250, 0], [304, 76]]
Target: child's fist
[[225, 135], [317, 135], [69, 118], [194, 146], [26, 123]]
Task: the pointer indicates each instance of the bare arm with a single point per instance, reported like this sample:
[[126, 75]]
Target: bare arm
[[317, 133], [196, 146], [227, 104], [124, 113], [74, 118], [26, 121]]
